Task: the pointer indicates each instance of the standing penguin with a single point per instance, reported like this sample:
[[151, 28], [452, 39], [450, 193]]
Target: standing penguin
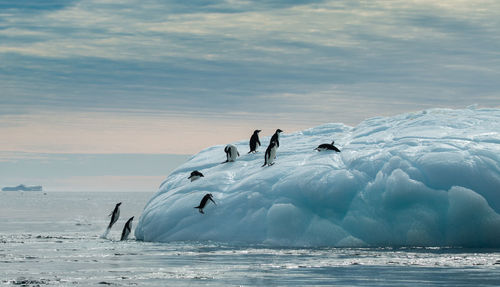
[[195, 175], [270, 154], [323, 147], [127, 228], [204, 201], [254, 141], [115, 214], [276, 137], [231, 153]]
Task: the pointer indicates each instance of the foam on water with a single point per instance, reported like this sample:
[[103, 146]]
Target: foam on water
[[429, 178]]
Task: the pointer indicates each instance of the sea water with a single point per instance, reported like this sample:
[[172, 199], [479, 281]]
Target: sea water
[[53, 239]]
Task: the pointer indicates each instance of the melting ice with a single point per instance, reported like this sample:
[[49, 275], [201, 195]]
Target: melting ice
[[429, 178]]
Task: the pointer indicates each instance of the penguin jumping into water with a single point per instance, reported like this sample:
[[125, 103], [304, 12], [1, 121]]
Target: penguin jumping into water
[[195, 175], [115, 214], [254, 141], [127, 228], [323, 147], [231, 153], [270, 154], [204, 201], [276, 137]]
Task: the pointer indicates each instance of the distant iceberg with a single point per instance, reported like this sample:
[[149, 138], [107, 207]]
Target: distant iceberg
[[23, 187], [429, 178]]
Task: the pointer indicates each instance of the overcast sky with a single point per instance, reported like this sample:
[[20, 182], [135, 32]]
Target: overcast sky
[[156, 76]]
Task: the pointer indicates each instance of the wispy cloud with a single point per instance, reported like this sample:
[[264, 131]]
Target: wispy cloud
[[306, 61]]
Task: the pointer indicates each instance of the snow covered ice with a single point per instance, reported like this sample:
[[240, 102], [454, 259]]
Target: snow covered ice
[[429, 178]]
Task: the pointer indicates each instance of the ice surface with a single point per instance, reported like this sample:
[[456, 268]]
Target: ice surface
[[429, 178]]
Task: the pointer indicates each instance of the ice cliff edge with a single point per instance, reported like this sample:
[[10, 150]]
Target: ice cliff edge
[[429, 178]]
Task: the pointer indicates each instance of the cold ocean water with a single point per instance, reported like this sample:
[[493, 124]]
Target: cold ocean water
[[53, 239]]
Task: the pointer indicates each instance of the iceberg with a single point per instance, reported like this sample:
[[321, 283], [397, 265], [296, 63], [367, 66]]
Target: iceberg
[[427, 178], [23, 187]]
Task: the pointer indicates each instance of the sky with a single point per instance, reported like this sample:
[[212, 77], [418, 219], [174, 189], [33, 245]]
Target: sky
[[153, 77]]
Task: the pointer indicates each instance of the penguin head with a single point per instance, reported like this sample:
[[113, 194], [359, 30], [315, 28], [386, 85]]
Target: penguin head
[[131, 218], [279, 131], [118, 204], [256, 131]]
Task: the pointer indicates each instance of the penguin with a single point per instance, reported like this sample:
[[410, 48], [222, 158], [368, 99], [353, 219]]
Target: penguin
[[195, 175], [204, 201], [270, 154], [115, 214], [231, 153], [254, 141], [276, 138], [127, 228], [323, 147]]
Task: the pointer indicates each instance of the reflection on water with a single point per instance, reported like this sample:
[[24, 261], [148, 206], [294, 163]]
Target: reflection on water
[[54, 239]]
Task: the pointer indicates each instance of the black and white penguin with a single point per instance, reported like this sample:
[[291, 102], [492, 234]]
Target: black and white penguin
[[323, 147], [270, 154], [204, 201], [127, 228], [276, 137], [115, 214], [195, 175], [254, 141], [231, 153]]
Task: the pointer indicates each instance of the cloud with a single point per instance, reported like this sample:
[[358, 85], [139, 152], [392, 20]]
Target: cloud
[[305, 61]]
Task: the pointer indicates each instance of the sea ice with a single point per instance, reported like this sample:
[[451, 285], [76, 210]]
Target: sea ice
[[429, 178]]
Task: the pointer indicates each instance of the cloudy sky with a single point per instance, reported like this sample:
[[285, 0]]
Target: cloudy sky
[[172, 77]]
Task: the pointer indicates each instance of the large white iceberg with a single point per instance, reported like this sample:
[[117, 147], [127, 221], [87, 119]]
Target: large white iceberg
[[429, 178]]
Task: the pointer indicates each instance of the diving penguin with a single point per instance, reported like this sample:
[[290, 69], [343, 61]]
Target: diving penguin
[[195, 175], [204, 201], [115, 214], [323, 147], [127, 228]]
